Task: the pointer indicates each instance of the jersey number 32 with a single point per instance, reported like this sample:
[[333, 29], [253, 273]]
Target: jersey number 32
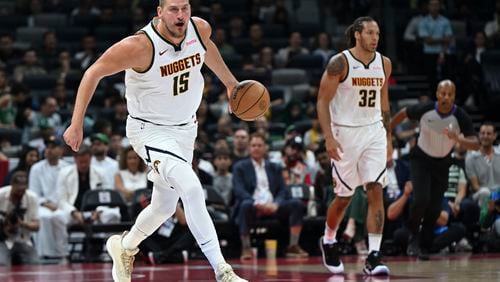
[[367, 98]]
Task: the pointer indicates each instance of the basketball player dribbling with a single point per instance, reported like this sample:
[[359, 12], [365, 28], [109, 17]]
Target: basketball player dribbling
[[353, 110], [162, 64]]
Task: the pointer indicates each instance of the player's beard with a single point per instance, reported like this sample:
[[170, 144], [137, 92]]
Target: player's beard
[[368, 48]]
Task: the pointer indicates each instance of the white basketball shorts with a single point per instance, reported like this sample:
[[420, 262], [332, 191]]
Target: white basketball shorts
[[364, 157]]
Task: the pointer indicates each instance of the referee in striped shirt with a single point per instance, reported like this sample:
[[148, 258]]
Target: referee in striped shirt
[[442, 124]]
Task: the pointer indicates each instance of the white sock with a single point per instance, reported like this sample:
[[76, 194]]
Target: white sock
[[133, 238], [330, 235], [374, 241]]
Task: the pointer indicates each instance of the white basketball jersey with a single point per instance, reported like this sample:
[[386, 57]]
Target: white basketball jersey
[[169, 92], [357, 101]]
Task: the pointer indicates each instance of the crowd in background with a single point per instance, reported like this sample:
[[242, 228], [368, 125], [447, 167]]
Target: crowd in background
[[46, 45]]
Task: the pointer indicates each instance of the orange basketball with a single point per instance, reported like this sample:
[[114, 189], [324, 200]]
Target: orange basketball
[[249, 100]]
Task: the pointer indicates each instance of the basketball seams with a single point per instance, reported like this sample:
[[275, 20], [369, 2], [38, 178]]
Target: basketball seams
[[261, 94], [241, 97]]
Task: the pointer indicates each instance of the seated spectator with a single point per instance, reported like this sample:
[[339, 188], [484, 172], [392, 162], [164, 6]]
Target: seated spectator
[[219, 38], [492, 28], [205, 177], [313, 136], [323, 47], [27, 158], [18, 220], [444, 234], [132, 175], [355, 214], [72, 183], [89, 53], [323, 182], [223, 178], [49, 51], [294, 48], [294, 170], [260, 191], [100, 159], [240, 145], [483, 166], [51, 240], [30, 66]]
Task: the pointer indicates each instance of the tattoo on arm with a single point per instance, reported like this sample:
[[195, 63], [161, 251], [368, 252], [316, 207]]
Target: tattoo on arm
[[336, 65], [386, 119]]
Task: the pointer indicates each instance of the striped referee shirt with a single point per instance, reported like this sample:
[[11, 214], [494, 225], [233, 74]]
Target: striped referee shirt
[[432, 140]]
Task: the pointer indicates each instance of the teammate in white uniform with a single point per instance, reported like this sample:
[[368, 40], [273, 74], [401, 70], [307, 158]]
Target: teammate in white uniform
[[353, 109], [164, 89]]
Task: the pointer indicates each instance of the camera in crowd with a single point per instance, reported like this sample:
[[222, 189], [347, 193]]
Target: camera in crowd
[[9, 222]]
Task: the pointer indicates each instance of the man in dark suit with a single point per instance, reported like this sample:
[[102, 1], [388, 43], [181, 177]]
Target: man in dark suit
[[260, 190]]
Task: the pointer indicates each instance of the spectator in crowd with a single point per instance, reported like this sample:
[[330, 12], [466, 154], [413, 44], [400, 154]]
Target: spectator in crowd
[[412, 43], [240, 145], [48, 116], [28, 156], [293, 49], [483, 166], [49, 51], [294, 170], [323, 47], [443, 235], [256, 36], [4, 83], [120, 114], [117, 143], [19, 219], [132, 174], [8, 53], [219, 38], [51, 239], [472, 79], [30, 66], [89, 53], [313, 136], [72, 183], [264, 62], [323, 182], [436, 33], [86, 8], [236, 28], [223, 178], [100, 159], [492, 28], [260, 190]]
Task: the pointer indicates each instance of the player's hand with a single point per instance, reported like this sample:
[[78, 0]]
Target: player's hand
[[333, 148], [73, 136]]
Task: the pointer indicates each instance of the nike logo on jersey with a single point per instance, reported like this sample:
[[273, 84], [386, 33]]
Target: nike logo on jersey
[[355, 67], [163, 52]]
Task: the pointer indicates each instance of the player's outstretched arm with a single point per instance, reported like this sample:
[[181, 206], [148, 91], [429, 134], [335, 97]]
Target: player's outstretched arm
[[131, 52], [332, 76], [213, 58]]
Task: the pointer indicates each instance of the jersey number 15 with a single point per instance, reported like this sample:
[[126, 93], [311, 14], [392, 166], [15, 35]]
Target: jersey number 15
[[181, 83], [367, 98]]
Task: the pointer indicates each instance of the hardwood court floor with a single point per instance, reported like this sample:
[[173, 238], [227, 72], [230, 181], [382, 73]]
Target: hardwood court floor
[[457, 267]]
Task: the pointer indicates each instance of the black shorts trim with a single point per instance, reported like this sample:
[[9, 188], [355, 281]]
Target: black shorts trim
[[148, 149], [340, 178], [380, 175]]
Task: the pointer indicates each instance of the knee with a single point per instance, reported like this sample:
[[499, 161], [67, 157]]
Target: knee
[[246, 207]]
